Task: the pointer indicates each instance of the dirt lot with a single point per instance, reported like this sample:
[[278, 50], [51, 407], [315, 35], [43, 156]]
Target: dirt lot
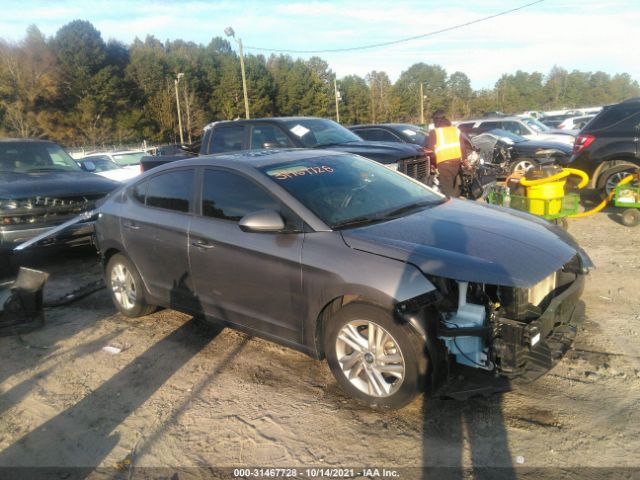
[[183, 394]]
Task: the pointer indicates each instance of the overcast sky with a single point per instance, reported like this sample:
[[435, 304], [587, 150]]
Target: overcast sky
[[587, 35]]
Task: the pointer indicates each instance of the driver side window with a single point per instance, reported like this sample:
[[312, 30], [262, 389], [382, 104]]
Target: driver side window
[[229, 196]]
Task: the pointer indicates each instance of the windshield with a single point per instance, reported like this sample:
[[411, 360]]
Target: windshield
[[128, 158], [35, 157], [535, 124], [413, 134], [318, 132], [348, 190]]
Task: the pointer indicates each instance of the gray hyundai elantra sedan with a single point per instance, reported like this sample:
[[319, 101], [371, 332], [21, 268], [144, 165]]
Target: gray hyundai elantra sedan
[[342, 258]]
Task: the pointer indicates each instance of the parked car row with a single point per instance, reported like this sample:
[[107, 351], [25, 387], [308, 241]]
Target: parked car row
[[42, 186]]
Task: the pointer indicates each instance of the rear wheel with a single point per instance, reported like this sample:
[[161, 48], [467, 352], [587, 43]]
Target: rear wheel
[[125, 285], [610, 178], [374, 358]]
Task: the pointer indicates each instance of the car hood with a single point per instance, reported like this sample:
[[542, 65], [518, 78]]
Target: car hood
[[383, 152], [553, 137], [471, 242], [54, 184], [542, 144]]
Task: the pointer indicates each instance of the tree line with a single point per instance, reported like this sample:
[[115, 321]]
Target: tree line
[[77, 89]]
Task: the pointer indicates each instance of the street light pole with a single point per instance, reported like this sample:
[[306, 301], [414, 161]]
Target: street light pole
[[176, 81], [231, 33], [337, 94]]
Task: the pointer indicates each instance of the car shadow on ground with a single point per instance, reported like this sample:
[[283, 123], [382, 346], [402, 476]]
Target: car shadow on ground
[[94, 434], [92, 422], [461, 438], [465, 439]]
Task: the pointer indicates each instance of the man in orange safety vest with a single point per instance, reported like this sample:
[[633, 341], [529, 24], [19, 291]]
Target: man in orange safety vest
[[444, 142]]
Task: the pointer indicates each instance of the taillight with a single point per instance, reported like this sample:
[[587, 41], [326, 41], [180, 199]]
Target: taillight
[[582, 143]]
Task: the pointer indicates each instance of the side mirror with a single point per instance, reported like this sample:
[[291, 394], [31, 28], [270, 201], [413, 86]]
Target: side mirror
[[89, 166], [262, 221]]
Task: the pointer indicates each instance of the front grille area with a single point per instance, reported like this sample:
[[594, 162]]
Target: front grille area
[[42, 210], [415, 167]]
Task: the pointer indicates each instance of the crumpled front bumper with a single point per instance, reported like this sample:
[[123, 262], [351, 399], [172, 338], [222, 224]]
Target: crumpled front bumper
[[21, 302], [525, 351], [516, 359]]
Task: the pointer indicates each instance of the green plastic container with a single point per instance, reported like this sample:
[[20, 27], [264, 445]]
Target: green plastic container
[[570, 203]]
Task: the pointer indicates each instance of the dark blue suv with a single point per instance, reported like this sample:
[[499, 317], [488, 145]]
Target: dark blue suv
[[608, 146]]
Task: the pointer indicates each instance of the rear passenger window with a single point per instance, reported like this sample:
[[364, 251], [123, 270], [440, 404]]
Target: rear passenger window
[[486, 126], [622, 119], [229, 196], [227, 139], [171, 191], [377, 135], [515, 127], [268, 136]]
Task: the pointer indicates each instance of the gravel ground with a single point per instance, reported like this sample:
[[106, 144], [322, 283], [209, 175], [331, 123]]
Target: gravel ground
[[184, 394]]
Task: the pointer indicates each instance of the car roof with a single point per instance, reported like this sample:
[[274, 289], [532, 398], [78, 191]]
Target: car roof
[[119, 152], [262, 120], [257, 158], [491, 119], [392, 126], [25, 140]]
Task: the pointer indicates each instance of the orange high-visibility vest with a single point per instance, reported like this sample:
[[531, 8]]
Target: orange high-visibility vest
[[447, 145]]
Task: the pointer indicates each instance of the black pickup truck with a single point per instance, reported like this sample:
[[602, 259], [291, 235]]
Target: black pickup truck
[[302, 132]]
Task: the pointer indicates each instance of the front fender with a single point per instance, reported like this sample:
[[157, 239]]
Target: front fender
[[332, 270]]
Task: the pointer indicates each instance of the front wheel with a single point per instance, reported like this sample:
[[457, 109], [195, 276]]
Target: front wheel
[[522, 166], [631, 217], [125, 285], [375, 358]]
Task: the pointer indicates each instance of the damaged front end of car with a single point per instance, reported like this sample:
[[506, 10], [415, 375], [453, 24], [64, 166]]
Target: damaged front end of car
[[483, 338], [21, 302]]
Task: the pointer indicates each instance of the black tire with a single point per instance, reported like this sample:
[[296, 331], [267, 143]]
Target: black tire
[[608, 177], [631, 217], [401, 341], [130, 302]]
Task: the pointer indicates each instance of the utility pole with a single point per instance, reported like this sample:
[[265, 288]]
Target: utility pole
[[244, 81], [421, 104], [231, 33], [176, 81], [337, 95], [188, 108]]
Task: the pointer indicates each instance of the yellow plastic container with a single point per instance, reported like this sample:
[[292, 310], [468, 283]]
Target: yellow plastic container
[[546, 199]]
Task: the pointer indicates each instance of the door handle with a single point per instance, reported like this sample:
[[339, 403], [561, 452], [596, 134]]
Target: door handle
[[202, 244], [130, 226]]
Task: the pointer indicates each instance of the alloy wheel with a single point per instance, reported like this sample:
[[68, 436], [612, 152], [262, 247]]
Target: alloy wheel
[[614, 180], [123, 286], [522, 166], [370, 358]]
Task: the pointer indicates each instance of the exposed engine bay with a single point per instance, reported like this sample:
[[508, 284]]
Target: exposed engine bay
[[514, 332]]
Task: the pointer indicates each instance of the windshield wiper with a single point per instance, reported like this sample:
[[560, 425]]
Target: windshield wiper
[[363, 220], [387, 215], [412, 206], [331, 144], [46, 169]]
